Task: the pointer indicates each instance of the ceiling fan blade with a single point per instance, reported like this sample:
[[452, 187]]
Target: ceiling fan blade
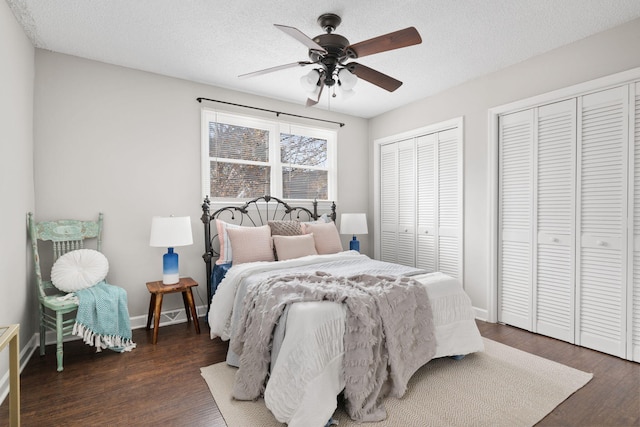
[[278, 68], [396, 40], [301, 37], [373, 76], [312, 102]]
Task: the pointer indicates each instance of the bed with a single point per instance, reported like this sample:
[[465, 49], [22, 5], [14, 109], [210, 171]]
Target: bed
[[291, 321]]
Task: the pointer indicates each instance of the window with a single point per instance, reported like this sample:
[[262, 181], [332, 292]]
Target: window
[[246, 157]]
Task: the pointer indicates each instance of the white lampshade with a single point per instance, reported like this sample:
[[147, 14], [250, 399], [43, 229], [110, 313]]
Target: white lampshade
[[354, 223], [309, 81], [347, 79], [172, 231]]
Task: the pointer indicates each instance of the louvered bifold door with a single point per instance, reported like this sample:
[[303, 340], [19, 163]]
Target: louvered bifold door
[[449, 219], [389, 203], [406, 203], [555, 220], [515, 219], [601, 221], [633, 350], [427, 196]]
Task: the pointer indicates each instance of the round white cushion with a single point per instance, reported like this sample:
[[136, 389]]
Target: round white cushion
[[79, 269]]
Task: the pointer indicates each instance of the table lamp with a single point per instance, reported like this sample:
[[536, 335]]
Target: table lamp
[[353, 223], [170, 232]]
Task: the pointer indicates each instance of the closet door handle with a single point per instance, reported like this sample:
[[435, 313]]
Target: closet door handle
[[601, 243]]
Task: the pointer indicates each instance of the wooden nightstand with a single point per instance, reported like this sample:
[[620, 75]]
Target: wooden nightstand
[[157, 290]]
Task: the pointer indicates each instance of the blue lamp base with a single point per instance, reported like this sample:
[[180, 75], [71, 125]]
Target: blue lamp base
[[170, 268], [354, 244]]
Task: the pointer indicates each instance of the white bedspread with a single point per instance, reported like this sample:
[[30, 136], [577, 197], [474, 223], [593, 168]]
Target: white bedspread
[[307, 374]]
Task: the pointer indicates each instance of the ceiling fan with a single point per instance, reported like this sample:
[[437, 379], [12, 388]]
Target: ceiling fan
[[330, 52]]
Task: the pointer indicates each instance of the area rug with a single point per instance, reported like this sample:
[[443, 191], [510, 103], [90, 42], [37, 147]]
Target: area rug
[[501, 386]]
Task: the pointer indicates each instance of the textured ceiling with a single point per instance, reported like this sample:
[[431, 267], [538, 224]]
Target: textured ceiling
[[213, 41]]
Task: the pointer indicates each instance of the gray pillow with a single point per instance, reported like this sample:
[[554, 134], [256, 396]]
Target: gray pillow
[[285, 228]]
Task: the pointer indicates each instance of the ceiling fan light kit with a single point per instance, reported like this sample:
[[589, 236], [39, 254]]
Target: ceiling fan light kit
[[309, 81], [330, 52], [346, 79]]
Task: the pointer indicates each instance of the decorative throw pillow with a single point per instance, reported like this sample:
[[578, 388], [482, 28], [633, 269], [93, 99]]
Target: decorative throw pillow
[[226, 253], [326, 237], [285, 228], [289, 247], [251, 244], [79, 269]]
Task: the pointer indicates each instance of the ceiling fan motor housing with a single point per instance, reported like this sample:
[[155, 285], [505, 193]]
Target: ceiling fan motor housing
[[334, 44]]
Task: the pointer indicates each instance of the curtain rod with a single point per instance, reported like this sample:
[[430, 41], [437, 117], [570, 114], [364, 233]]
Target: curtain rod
[[277, 113]]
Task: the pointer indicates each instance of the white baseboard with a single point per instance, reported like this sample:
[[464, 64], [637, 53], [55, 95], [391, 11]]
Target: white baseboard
[[166, 318], [481, 313]]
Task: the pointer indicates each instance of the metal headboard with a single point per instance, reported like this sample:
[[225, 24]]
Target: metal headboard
[[253, 213]]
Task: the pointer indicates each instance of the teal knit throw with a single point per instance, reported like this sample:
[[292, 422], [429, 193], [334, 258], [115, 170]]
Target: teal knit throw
[[103, 318]]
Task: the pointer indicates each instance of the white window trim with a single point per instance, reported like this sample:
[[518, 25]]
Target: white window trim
[[275, 128]]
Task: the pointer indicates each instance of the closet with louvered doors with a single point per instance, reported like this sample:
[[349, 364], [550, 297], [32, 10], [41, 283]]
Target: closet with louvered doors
[[568, 181], [421, 202]]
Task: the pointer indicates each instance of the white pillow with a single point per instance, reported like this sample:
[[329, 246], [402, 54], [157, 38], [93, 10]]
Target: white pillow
[[79, 269], [322, 219], [226, 253]]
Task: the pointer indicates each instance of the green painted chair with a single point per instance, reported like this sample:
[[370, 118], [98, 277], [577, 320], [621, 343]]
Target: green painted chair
[[66, 235]]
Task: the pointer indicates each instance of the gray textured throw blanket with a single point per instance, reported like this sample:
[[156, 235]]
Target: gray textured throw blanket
[[389, 334]]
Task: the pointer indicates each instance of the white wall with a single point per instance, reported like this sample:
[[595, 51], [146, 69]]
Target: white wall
[[603, 54], [17, 297], [127, 143]]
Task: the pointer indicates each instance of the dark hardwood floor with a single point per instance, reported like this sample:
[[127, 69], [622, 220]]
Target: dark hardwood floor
[[611, 398], [161, 384]]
